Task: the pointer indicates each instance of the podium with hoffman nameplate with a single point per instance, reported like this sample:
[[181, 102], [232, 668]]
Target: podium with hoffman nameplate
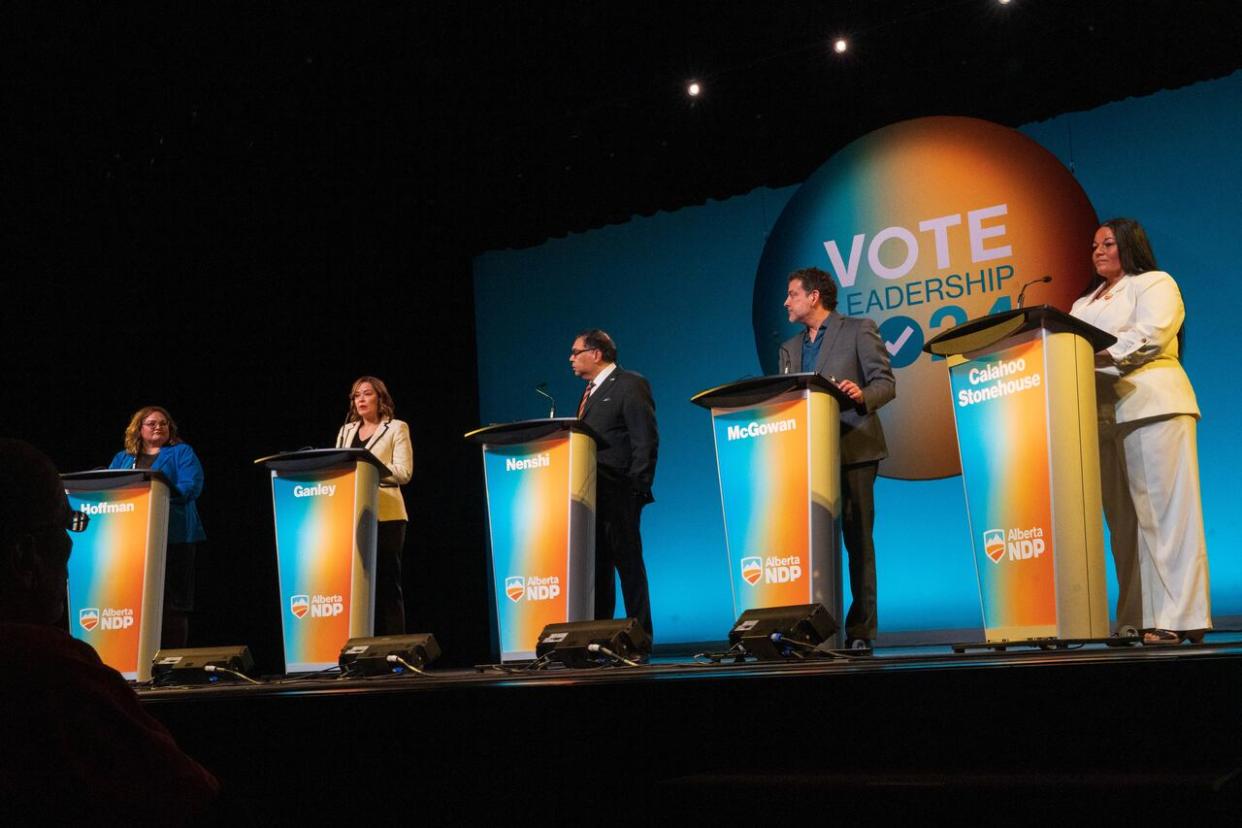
[[116, 571]]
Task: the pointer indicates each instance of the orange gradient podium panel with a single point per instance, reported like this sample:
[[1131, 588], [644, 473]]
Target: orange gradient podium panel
[[116, 569], [540, 481], [778, 458], [324, 505], [1023, 392]]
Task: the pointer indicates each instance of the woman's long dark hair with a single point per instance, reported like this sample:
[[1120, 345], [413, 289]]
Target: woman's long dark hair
[[1136, 256]]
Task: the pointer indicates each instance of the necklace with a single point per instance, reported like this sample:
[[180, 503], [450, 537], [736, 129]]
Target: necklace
[[1106, 291]]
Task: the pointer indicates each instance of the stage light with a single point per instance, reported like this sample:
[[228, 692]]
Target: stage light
[[694, 89], [1004, 2], [840, 45]]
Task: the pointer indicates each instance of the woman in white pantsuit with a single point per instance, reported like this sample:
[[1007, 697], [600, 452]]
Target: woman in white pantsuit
[[1149, 463]]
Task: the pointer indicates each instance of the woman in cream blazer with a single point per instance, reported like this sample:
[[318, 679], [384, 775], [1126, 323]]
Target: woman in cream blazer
[[370, 424], [1149, 462]]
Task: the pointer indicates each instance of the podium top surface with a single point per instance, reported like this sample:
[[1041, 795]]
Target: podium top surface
[[110, 478], [989, 330], [311, 459], [523, 431], [756, 390]]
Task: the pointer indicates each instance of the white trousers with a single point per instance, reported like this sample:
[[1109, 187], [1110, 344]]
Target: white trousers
[[1149, 471]]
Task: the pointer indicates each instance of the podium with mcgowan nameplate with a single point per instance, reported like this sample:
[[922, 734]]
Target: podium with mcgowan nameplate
[[324, 505], [540, 481], [1024, 402], [116, 571], [778, 459]]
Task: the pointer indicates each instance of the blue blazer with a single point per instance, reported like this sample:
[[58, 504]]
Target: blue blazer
[[180, 465]]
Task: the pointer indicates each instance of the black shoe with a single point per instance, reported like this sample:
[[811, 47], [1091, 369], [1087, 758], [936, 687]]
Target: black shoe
[[861, 645]]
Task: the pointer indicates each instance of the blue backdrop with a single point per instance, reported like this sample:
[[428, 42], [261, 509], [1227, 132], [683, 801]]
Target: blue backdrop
[[675, 289]]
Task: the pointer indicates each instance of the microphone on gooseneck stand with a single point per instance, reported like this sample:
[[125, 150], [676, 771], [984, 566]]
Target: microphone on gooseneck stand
[[542, 390], [1022, 293]]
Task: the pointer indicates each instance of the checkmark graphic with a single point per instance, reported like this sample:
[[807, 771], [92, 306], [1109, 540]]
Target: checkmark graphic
[[894, 347]]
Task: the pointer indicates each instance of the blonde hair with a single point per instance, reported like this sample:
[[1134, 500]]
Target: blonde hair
[[133, 432]]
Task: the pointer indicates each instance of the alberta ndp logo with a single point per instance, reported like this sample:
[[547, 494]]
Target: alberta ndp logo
[[532, 588], [752, 569], [1014, 544], [994, 544], [88, 618], [515, 587]]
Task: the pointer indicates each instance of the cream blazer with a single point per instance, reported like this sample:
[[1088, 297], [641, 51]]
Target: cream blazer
[[391, 446], [1141, 376]]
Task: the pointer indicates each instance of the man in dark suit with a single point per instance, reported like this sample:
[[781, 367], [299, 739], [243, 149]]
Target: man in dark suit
[[617, 404], [847, 351]]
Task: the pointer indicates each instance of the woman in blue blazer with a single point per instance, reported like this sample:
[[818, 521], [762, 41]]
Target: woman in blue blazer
[[151, 442]]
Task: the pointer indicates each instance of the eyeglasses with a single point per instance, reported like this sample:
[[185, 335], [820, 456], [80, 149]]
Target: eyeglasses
[[573, 352], [154, 424]]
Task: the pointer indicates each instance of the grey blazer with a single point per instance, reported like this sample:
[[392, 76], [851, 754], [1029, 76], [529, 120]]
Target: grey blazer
[[852, 350]]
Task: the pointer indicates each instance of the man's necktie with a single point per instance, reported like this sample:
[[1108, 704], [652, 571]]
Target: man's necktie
[[586, 395]]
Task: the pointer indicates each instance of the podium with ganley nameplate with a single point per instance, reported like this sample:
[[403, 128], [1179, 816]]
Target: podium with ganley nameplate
[[324, 505]]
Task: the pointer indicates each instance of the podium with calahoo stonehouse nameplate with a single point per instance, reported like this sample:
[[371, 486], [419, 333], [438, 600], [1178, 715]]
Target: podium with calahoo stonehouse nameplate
[[778, 458], [1024, 404], [539, 478], [324, 503], [116, 569]]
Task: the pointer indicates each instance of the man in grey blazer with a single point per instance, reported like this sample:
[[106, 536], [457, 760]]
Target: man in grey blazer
[[847, 351]]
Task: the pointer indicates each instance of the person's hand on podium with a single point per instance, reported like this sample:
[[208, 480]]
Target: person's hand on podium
[[851, 389]]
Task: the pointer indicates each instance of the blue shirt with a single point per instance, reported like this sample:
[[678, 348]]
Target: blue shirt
[[810, 350], [180, 465]]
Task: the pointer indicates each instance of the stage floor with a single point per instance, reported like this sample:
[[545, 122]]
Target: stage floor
[[1014, 735], [685, 666]]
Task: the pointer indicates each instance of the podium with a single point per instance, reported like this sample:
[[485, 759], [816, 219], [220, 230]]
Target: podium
[[778, 458], [324, 505], [1023, 389], [540, 485], [116, 570]]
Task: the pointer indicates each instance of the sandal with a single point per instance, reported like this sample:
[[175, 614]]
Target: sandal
[[1161, 638]]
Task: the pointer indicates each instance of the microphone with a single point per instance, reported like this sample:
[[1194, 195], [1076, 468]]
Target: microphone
[[542, 390], [1022, 293]]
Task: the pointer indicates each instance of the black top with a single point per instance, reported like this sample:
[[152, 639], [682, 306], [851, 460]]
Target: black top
[[144, 460]]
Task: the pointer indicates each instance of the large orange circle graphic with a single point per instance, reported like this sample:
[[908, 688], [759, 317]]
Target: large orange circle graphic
[[925, 224]]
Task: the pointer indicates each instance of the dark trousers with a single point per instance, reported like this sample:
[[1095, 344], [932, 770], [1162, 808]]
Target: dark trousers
[[178, 595], [857, 522], [389, 602], [619, 546]]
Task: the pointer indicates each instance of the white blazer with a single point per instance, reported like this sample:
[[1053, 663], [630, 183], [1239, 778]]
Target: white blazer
[[391, 446], [1142, 376]]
